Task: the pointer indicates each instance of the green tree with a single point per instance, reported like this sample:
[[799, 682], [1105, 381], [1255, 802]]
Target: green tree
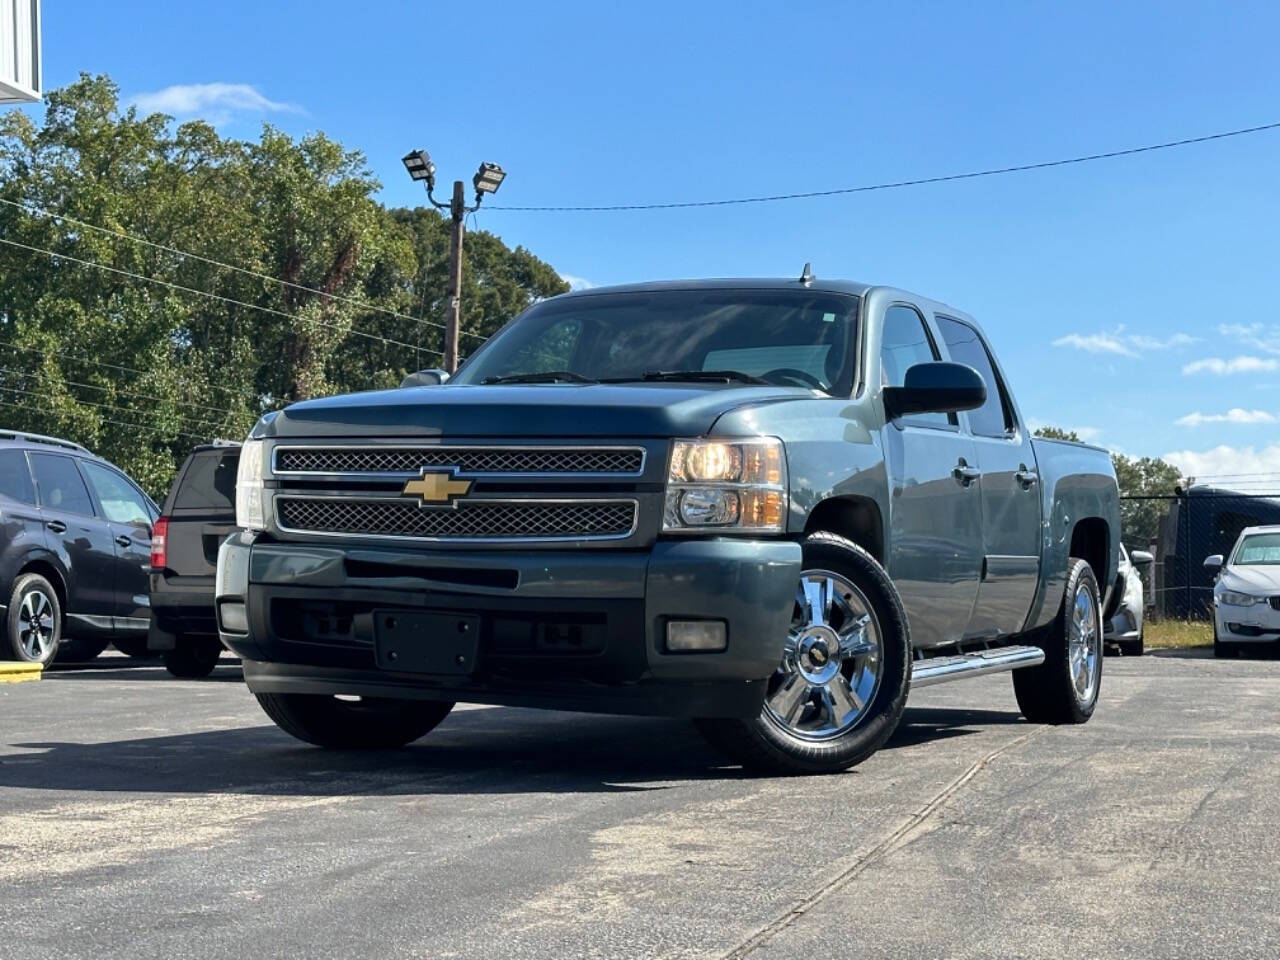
[[1146, 490], [334, 292]]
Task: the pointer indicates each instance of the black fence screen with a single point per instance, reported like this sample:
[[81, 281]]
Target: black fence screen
[[1180, 531]]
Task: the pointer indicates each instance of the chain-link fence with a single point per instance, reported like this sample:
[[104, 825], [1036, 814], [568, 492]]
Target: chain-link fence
[[1180, 531]]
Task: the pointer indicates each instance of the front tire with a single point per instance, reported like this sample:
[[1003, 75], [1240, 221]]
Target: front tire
[[34, 621], [1064, 689], [840, 690], [366, 724]]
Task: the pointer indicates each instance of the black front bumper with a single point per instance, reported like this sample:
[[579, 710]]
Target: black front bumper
[[573, 630]]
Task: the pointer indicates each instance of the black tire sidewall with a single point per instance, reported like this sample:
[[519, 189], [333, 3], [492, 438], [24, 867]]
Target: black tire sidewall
[[25, 584], [1047, 694]]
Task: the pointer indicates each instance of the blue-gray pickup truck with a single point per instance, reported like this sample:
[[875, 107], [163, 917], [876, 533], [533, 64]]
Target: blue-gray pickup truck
[[772, 506]]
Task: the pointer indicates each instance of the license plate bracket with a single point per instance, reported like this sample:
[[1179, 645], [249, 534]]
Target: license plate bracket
[[425, 641]]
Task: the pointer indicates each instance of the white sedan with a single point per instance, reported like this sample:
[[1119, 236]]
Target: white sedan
[[1246, 593]]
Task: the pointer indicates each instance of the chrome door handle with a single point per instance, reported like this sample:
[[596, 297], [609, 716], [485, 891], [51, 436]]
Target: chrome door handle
[[57, 526], [965, 474], [1026, 477], [123, 541]]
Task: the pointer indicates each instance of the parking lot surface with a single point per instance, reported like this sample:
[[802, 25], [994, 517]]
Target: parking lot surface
[[142, 816]]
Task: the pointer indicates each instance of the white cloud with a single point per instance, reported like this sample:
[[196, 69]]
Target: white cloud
[[1244, 467], [576, 283], [1241, 364], [215, 102], [1255, 335], [1123, 344], [1234, 415]]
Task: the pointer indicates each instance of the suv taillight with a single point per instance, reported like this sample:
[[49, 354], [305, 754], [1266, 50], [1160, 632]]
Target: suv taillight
[[158, 534]]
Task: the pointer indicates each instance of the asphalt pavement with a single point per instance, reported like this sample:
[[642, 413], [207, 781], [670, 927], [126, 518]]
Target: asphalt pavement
[[142, 816]]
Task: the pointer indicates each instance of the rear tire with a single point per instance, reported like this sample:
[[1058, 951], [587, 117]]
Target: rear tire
[[79, 649], [366, 724], [135, 647], [1064, 689], [835, 724], [34, 620], [193, 657]]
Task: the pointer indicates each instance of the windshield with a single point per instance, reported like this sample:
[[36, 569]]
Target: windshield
[[787, 337], [1258, 550]]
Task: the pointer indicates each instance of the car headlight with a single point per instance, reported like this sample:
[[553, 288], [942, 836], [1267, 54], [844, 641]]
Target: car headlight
[[726, 486], [251, 511], [1234, 599]]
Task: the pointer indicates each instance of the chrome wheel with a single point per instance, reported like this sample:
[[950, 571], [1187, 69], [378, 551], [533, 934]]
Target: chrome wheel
[[1084, 643], [831, 662], [36, 626]]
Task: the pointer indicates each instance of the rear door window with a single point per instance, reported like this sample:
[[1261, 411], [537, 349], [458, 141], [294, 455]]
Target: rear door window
[[121, 501], [15, 477], [209, 482], [60, 485], [995, 417]]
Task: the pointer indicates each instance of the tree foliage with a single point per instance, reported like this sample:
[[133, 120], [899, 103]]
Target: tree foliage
[[1137, 478], [140, 350]]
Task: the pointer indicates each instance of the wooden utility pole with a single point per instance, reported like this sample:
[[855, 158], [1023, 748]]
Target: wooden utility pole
[[453, 319]]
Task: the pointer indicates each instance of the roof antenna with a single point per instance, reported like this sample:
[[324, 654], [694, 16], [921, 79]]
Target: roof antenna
[[806, 276]]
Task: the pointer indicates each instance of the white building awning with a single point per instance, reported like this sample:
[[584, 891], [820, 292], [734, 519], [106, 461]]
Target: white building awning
[[20, 61]]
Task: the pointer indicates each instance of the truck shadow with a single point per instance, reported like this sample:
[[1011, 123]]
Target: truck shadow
[[482, 751]]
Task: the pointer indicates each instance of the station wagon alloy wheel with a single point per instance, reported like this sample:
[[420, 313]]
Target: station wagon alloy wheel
[[1085, 643], [36, 619], [831, 662]]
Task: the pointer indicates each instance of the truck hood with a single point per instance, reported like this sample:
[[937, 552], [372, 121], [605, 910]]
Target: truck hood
[[534, 410]]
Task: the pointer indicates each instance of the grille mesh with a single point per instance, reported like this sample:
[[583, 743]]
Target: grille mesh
[[476, 519], [409, 460]]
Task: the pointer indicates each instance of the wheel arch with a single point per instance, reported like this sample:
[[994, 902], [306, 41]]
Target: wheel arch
[[46, 565], [1091, 542], [855, 518]]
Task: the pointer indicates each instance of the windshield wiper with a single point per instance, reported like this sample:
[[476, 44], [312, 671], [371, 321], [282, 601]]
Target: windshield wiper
[[550, 376], [697, 376]]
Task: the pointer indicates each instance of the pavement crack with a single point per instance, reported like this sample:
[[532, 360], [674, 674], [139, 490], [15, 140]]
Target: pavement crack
[[898, 837]]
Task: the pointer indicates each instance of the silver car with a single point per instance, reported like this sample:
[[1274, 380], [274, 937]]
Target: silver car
[[1124, 626], [1246, 593]]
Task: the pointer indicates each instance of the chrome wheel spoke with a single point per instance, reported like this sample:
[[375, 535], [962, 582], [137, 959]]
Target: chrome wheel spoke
[[815, 598], [790, 698], [839, 700], [854, 641]]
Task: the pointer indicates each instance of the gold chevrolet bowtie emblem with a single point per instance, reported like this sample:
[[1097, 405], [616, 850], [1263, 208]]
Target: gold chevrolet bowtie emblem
[[437, 488]]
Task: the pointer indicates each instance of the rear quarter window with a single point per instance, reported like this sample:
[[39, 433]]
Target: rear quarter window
[[209, 482], [15, 477]]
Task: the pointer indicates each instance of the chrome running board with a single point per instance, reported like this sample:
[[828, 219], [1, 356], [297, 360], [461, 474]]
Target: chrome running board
[[931, 670]]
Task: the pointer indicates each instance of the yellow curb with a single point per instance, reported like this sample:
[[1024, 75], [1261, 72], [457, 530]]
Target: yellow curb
[[17, 671]]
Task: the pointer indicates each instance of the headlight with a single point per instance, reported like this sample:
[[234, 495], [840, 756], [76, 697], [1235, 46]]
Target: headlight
[[726, 486], [250, 510], [1234, 599]]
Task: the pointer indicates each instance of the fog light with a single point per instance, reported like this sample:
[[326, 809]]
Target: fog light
[[701, 636], [234, 617]]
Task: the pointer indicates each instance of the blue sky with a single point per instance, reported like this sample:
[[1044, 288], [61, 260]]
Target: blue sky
[[1132, 299]]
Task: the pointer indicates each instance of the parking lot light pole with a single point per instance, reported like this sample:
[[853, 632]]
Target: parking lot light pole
[[487, 180]]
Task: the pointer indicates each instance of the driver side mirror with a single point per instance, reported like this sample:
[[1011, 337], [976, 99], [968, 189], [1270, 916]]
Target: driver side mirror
[[426, 378], [938, 387], [1214, 563]]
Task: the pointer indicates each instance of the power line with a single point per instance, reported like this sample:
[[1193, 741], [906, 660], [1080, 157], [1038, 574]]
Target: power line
[[119, 423], [120, 234], [116, 366], [124, 393], [36, 210], [213, 296], [894, 184], [103, 406]]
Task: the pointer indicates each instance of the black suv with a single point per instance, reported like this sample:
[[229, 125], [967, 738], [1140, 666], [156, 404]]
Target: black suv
[[75, 539], [198, 513]]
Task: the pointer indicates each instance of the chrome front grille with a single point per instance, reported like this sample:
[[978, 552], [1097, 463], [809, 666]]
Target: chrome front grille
[[409, 460], [475, 520]]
